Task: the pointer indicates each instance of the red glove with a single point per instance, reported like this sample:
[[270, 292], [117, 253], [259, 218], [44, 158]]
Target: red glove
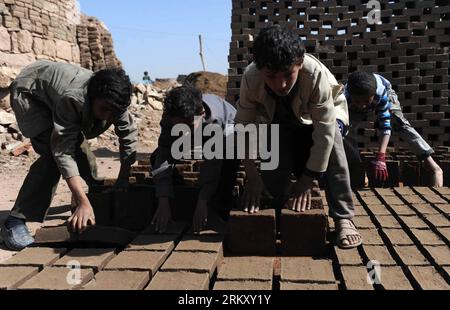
[[380, 168]]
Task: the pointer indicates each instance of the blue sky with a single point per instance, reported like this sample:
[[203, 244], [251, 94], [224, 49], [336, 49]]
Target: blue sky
[[161, 36]]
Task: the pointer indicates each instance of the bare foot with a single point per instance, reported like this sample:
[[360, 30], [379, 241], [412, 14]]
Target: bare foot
[[437, 179]]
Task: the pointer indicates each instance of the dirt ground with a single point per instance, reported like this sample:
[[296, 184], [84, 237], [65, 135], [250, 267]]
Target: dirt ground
[[13, 171]]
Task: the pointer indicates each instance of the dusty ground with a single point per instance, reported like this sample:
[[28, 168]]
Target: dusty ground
[[14, 169]]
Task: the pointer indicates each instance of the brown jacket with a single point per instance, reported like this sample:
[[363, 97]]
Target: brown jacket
[[318, 100]]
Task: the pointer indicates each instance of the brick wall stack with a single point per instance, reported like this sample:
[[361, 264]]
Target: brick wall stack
[[409, 47], [96, 45]]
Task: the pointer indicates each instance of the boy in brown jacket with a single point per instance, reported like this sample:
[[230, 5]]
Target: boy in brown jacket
[[288, 87]]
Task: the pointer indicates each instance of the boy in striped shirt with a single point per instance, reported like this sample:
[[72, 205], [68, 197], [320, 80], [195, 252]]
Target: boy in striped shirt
[[372, 92]]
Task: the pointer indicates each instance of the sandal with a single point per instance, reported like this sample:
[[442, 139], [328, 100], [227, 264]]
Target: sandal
[[345, 228]]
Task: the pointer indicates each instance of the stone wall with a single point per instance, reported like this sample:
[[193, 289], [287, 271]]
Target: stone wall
[[49, 29]]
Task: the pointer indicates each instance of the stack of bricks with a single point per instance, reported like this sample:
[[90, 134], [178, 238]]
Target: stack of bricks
[[409, 46], [96, 45]]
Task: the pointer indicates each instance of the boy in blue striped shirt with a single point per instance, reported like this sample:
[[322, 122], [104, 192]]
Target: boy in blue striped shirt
[[371, 92]]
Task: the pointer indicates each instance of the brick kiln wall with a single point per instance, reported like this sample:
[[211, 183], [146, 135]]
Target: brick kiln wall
[[409, 47]]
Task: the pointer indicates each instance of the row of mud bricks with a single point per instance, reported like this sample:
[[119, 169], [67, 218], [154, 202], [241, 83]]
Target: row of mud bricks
[[405, 230], [408, 46]]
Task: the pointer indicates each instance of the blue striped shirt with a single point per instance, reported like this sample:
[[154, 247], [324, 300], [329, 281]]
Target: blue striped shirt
[[381, 104]]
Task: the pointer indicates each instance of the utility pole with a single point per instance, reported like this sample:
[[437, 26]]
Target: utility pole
[[202, 56]]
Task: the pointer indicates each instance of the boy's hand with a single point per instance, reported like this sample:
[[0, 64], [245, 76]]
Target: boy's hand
[[300, 194], [200, 216], [162, 216], [379, 167], [82, 217], [252, 193]]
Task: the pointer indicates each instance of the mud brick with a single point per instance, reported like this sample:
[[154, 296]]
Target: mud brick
[[179, 280], [133, 210], [355, 278], [410, 173], [388, 221], [367, 193], [380, 254], [55, 278], [393, 278], [403, 210], [243, 285], [427, 237], [398, 237], [392, 200], [349, 257], [254, 268], [445, 232], [252, 234], [438, 220], [118, 280], [310, 225], [411, 256], [49, 235], [158, 243], [360, 211], [444, 208], [428, 278], [424, 208], [385, 192], [94, 259], [173, 228], [424, 191], [363, 222], [137, 261], [379, 209], [434, 199], [12, 277], [413, 221], [204, 243], [107, 235], [443, 190], [102, 203], [371, 200], [37, 257], [193, 262], [306, 269], [440, 254], [371, 237], [413, 199], [404, 191]]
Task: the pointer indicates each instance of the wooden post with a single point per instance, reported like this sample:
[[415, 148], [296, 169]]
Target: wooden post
[[202, 57]]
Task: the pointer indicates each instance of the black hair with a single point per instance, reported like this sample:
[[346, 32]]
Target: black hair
[[112, 85], [185, 101], [362, 83], [277, 48]]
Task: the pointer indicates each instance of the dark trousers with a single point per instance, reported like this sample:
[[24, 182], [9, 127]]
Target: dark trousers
[[39, 187]]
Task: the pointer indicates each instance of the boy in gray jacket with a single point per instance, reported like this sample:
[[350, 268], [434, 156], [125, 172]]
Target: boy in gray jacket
[[186, 105], [59, 106]]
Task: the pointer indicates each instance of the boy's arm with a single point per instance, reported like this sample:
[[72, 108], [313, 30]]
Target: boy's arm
[[127, 132], [64, 141]]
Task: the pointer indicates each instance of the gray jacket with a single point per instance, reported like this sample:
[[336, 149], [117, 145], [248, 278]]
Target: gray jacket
[[222, 114], [54, 95]]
